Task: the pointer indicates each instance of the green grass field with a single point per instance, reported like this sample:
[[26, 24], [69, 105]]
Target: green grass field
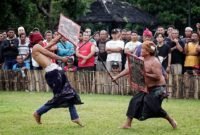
[[101, 115]]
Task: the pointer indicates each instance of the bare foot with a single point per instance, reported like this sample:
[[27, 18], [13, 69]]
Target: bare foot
[[125, 126], [37, 118], [173, 123], [77, 121]]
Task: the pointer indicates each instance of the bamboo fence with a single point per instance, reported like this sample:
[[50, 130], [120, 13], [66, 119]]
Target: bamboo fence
[[179, 86]]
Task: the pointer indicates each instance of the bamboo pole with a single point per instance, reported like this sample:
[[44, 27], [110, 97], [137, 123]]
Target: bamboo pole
[[170, 80], [196, 87], [36, 80], [1, 80]]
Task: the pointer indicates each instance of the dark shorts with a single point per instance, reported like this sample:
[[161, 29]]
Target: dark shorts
[[147, 105], [64, 94]]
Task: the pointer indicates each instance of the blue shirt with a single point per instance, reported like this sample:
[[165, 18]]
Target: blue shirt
[[18, 67], [138, 50], [65, 49]]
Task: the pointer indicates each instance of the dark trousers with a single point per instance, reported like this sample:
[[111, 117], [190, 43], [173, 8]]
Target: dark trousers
[[46, 108]]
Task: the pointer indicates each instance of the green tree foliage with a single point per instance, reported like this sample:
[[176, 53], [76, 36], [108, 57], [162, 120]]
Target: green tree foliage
[[171, 12], [43, 14]]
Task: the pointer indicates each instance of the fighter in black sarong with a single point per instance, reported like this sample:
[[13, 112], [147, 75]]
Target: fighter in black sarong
[[63, 94], [147, 104]]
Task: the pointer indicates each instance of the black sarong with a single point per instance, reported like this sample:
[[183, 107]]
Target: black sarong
[[147, 105], [64, 94]]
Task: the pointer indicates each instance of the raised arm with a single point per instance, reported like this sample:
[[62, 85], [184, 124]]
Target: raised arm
[[53, 42], [39, 49]]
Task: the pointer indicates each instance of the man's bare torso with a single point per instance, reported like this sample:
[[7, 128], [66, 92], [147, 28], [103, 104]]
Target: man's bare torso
[[40, 58], [152, 65]]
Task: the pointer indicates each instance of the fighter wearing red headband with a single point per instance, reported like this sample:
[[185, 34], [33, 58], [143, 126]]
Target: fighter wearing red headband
[[63, 94]]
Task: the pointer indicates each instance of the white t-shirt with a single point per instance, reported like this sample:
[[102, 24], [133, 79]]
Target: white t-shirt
[[132, 45], [114, 44]]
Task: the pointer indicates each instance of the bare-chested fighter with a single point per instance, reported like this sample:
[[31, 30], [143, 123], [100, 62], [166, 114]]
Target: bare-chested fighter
[[148, 105], [63, 94]]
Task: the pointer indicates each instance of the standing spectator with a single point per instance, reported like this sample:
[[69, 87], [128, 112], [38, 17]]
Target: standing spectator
[[85, 53], [114, 50], [4, 35], [21, 30], [128, 35], [55, 34], [65, 49], [123, 35], [169, 34], [20, 66], [131, 46], [191, 51], [80, 38], [89, 31], [102, 50], [177, 49], [160, 30], [9, 49], [48, 37], [164, 52], [96, 37], [198, 67], [188, 34], [24, 48]]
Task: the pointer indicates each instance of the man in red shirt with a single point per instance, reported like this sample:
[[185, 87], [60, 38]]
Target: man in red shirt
[[85, 53]]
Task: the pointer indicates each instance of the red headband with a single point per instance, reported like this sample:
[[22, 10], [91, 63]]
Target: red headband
[[147, 33], [35, 38]]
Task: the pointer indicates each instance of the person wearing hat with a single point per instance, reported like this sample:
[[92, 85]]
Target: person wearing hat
[[63, 94], [146, 36], [114, 50], [145, 105]]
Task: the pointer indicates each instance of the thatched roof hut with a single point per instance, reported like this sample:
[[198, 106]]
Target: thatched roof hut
[[113, 11]]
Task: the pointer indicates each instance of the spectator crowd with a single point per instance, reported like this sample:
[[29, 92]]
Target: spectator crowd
[[178, 54]]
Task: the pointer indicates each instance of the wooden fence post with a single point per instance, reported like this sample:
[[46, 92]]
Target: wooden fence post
[[179, 86]]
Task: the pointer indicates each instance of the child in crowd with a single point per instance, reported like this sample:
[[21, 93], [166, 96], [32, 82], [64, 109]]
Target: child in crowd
[[70, 65], [20, 66]]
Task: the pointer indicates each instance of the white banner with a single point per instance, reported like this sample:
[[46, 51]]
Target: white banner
[[69, 29]]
